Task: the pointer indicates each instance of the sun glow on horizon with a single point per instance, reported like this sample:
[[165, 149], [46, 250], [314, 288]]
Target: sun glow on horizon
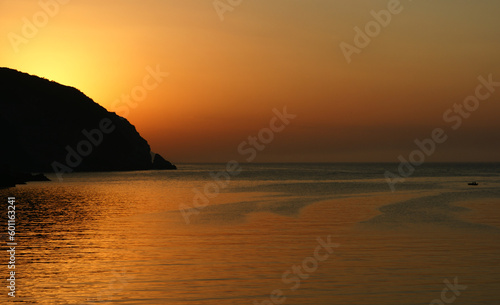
[[226, 77]]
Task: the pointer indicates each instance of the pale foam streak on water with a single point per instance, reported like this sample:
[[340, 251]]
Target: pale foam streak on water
[[119, 238]]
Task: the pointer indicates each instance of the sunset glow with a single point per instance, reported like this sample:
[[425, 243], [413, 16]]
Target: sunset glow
[[226, 77]]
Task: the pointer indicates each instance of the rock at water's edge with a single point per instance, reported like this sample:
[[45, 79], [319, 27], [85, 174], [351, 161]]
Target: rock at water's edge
[[160, 163]]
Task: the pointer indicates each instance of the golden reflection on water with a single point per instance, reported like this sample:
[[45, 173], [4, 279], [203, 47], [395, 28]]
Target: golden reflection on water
[[122, 243]]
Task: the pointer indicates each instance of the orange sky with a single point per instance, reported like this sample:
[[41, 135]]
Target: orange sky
[[225, 77]]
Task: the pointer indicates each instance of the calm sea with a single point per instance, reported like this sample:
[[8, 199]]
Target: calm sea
[[272, 234]]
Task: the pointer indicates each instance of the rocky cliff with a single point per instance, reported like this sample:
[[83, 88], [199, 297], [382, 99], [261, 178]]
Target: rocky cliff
[[48, 127]]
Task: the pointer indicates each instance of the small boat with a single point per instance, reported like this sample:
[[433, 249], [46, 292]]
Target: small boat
[[473, 183]]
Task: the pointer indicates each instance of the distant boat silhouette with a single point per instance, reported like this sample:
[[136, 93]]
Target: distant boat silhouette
[[473, 183]]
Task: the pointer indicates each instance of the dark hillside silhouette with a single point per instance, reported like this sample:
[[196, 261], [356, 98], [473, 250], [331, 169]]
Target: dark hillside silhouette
[[42, 121]]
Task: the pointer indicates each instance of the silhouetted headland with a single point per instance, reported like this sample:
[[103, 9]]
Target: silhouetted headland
[[49, 127], [10, 179]]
